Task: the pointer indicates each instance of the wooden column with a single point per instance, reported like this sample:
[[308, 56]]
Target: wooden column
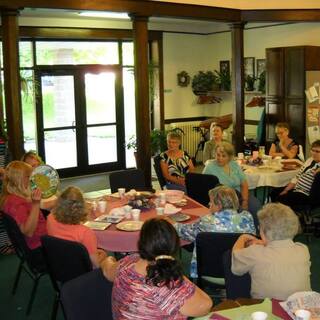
[[10, 43], [140, 39], [237, 85]]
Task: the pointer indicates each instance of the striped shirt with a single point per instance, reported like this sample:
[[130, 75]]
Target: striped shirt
[[133, 299], [304, 179]]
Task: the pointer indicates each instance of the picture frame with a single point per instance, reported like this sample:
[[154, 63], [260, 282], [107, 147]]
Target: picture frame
[[249, 69], [225, 66], [261, 66]]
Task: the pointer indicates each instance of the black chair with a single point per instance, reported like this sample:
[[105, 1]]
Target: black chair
[[236, 286], [87, 297], [210, 247], [66, 260], [157, 169], [31, 261], [198, 186], [128, 179]]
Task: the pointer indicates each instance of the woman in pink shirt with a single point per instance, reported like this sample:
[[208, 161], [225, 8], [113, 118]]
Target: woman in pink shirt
[[66, 220], [18, 201]]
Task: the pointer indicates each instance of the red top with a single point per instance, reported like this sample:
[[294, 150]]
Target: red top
[[19, 209]]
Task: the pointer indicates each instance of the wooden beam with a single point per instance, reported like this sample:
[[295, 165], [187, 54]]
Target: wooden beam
[[140, 39], [138, 7], [237, 85], [10, 38]]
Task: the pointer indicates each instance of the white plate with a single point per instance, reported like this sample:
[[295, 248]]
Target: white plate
[[109, 219], [130, 225], [97, 225]]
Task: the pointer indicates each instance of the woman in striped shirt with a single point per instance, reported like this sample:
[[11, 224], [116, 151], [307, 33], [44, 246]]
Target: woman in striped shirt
[[298, 190]]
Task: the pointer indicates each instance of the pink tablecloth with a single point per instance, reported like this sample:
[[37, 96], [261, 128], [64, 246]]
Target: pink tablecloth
[[115, 240]]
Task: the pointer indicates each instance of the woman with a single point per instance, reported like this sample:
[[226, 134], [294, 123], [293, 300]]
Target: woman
[[216, 134], [230, 174], [298, 190], [175, 163], [224, 217], [278, 266], [66, 220], [18, 201], [150, 285], [32, 158], [284, 146]]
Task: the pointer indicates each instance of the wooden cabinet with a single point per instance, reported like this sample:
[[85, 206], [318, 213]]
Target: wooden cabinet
[[285, 85]]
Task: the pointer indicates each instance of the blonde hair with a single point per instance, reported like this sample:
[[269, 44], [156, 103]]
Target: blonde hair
[[33, 155], [71, 208], [225, 197], [283, 125], [174, 136], [225, 147]]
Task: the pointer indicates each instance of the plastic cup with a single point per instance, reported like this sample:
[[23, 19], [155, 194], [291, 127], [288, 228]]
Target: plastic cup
[[127, 211], [259, 315], [240, 156], [160, 211], [163, 199], [255, 155], [121, 192], [302, 314], [102, 205], [135, 214]]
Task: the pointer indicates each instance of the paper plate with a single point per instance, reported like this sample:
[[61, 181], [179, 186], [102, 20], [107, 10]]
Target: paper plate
[[46, 179], [130, 225], [180, 217]]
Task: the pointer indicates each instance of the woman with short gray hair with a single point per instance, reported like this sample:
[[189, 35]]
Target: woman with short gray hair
[[278, 266]]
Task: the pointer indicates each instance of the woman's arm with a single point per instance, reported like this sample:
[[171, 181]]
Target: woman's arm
[[168, 176], [109, 267], [290, 154], [289, 187], [274, 153], [244, 241], [198, 305], [98, 257], [191, 166], [244, 194], [28, 228]]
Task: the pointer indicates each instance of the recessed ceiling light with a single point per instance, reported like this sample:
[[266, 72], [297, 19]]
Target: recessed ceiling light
[[105, 14]]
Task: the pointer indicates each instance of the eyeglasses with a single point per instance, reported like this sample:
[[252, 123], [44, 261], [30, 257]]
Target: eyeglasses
[[315, 150]]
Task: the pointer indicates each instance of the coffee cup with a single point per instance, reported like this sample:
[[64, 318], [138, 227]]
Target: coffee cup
[[160, 211], [135, 214], [302, 314], [127, 211], [102, 205], [121, 192], [259, 315], [240, 155]]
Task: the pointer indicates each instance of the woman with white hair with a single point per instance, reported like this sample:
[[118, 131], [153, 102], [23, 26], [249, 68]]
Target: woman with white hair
[[278, 266], [216, 137]]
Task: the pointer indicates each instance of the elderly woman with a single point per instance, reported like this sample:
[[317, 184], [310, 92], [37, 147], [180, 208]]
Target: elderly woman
[[216, 137], [224, 217], [66, 220], [230, 174], [150, 285], [298, 190], [175, 163], [283, 146], [278, 266], [32, 158]]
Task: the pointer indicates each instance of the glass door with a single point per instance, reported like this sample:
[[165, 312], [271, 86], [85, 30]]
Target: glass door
[[80, 119]]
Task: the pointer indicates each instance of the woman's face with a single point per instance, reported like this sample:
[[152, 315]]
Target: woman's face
[[217, 133], [315, 153], [222, 157], [32, 161], [26, 179], [282, 133], [173, 144], [213, 207]]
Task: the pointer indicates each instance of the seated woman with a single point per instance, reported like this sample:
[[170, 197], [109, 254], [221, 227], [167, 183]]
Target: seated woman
[[278, 266], [283, 146], [216, 135], [32, 158], [66, 220], [224, 217], [175, 163], [150, 285], [230, 174], [298, 190], [18, 201]]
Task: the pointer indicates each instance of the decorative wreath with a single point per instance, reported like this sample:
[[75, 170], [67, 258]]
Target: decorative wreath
[[183, 79]]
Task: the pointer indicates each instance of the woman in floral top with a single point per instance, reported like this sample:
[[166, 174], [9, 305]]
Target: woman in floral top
[[150, 285], [224, 217]]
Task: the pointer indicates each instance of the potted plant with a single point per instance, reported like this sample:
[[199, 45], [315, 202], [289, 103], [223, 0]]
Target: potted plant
[[132, 143], [203, 82], [249, 81], [223, 79], [262, 82]]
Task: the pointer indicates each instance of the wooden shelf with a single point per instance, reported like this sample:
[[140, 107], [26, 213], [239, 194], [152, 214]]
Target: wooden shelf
[[257, 93]]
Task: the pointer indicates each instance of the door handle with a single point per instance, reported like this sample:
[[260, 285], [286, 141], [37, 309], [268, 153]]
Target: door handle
[[73, 125]]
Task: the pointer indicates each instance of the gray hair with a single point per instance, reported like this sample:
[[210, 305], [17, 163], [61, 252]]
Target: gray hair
[[225, 197], [226, 147], [278, 221]]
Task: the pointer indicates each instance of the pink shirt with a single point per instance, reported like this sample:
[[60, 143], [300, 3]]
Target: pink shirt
[[73, 232], [19, 208]]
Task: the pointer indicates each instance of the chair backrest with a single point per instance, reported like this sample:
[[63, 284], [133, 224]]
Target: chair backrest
[[210, 247], [129, 179], [198, 186], [157, 169], [236, 286], [66, 259], [87, 297], [315, 192]]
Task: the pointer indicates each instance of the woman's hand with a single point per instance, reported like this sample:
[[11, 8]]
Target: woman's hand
[[36, 195]]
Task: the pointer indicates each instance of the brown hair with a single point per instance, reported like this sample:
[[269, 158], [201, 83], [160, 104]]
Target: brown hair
[[31, 154]]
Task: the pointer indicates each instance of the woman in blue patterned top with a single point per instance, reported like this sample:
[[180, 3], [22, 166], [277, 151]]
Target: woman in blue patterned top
[[224, 217]]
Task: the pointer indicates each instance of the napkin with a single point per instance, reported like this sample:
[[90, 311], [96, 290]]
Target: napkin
[[171, 209], [117, 212]]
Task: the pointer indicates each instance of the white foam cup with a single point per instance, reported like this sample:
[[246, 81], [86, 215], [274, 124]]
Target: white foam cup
[[302, 314], [160, 211], [102, 205], [240, 155], [259, 315], [121, 192], [127, 211], [135, 214]]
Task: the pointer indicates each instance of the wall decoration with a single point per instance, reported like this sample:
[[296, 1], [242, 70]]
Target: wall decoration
[[249, 66], [225, 66], [261, 66], [183, 79]]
